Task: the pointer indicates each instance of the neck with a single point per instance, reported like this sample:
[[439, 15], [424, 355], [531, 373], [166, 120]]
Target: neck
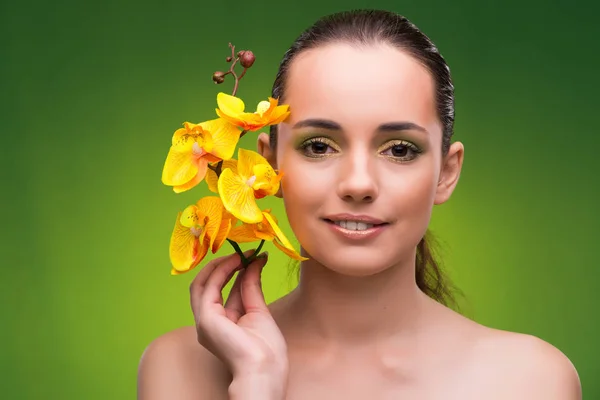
[[343, 309]]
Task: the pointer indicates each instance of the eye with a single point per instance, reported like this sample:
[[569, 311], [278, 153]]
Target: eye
[[401, 151], [318, 147]]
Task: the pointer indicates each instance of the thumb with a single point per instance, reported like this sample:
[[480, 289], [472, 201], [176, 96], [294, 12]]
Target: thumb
[[251, 290]]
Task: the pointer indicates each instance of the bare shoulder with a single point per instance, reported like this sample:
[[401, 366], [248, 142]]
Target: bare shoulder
[[528, 367], [176, 366]]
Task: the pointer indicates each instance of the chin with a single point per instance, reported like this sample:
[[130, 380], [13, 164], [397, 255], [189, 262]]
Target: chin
[[358, 263], [354, 257]]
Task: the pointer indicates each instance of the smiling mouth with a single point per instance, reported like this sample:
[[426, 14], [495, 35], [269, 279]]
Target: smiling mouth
[[354, 225]]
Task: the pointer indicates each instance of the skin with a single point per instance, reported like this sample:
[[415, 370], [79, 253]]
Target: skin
[[357, 326]]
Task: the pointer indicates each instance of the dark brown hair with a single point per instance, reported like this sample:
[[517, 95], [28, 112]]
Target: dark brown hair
[[367, 27]]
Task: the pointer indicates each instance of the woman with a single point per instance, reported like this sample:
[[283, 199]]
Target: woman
[[366, 154]]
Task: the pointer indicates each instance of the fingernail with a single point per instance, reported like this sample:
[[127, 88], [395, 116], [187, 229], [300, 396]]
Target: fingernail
[[264, 254]]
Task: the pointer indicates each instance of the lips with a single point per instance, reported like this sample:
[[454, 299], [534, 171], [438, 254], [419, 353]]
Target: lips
[[355, 227], [366, 219], [354, 230]]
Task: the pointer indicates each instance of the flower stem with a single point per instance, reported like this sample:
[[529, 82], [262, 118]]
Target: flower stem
[[237, 249], [243, 73], [246, 261], [232, 72], [258, 249], [231, 69], [217, 168], [235, 86]]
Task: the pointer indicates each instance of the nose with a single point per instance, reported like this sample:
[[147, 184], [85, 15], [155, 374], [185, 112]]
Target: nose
[[357, 181]]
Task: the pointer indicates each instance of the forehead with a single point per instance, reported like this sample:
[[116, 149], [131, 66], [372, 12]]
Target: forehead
[[360, 86]]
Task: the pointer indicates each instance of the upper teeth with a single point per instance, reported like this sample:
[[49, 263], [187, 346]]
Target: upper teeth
[[353, 225]]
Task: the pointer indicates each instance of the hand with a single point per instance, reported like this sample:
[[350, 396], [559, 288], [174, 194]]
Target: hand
[[241, 333]]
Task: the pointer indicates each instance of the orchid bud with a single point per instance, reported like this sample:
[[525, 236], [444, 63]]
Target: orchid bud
[[218, 77], [228, 59], [247, 59]]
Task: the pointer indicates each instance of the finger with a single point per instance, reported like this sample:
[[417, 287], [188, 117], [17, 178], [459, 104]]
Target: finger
[[219, 278], [251, 290], [199, 284], [234, 308], [202, 276]]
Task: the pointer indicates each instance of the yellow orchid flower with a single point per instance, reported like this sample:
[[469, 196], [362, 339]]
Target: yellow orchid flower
[[200, 227], [267, 230], [211, 176], [193, 147], [254, 179], [267, 113]]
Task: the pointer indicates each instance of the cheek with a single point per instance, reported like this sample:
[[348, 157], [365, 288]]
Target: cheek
[[305, 189], [411, 194], [414, 190]]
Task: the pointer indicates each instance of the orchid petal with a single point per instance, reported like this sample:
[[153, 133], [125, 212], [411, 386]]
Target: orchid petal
[[189, 217], [247, 159], [243, 234], [264, 235], [289, 252], [230, 105], [211, 176], [267, 112], [185, 251], [179, 168], [238, 197], [212, 208], [266, 179], [224, 137], [279, 114], [226, 224], [184, 138], [281, 241], [180, 140], [202, 168], [262, 107]]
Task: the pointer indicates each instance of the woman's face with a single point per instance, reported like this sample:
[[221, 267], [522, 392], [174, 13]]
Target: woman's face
[[362, 145]]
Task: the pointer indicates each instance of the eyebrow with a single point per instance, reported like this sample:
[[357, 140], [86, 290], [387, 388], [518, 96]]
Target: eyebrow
[[334, 126], [401, 126], [318, 123]]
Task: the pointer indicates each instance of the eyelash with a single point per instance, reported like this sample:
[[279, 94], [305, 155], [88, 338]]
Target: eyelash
[[309, 142], [408, 145], [305, 146]]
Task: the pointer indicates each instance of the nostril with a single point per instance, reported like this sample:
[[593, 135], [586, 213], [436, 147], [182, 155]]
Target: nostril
[[367, 199]]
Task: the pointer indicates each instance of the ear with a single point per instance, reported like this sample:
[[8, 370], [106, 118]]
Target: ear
[[451, 167], [264, 149]]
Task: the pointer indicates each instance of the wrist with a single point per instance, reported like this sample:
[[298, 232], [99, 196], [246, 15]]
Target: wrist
[[259, 386]]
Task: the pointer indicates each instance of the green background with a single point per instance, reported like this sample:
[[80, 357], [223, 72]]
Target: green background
[[93, 91]]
